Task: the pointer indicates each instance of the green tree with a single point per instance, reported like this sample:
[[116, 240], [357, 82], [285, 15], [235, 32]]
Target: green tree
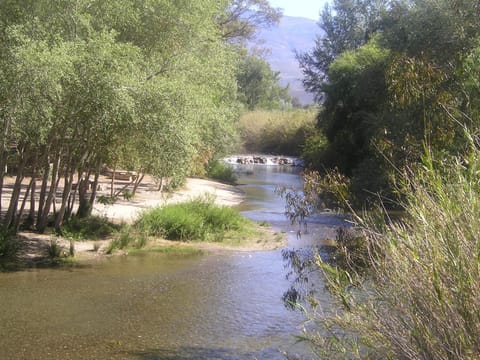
[[345, 26], [258, 85], [147, 84], [242, 19], [410, 100]]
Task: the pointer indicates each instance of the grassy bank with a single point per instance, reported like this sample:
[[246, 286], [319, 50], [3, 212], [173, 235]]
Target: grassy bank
[[197, 221], [188, 228]]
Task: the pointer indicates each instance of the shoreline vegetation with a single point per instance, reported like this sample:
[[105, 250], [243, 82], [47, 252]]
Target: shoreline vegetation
[[119, 228]]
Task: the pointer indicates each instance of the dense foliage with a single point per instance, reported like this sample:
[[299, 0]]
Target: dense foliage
[[395, 78], [148, 86], [407, 286], [399, 84], [258, 85]]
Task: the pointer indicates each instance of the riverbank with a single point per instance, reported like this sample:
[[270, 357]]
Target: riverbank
[[34, 247], [148, 196]]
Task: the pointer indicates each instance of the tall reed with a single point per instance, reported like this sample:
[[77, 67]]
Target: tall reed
[[420, 295], [277, 132]]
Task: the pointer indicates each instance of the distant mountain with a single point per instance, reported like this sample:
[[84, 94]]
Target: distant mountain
[[292, 33]]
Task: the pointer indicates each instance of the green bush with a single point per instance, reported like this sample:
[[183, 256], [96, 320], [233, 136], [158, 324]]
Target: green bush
[[314, 151], [220, 171], [91, 227], [199, 219], [54, 250], [9, 246]]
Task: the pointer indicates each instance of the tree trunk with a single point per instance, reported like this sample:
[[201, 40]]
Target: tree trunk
[[3, 155], [122, 189], [2, 175], [31, 216], [160, 185], [84, 208], [43, 219], [93, 195], [113, 180], [73, 196], [67, 188], [54, 201], [18, 218], [17, 188], [138, 180], [43, 188]]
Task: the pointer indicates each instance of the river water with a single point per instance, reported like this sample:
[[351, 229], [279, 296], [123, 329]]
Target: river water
[[154, 306]]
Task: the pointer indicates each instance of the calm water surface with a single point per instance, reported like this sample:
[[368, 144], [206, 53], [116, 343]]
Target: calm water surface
[[153, 306]]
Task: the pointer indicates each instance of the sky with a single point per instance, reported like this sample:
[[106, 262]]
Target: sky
[[302, 8]]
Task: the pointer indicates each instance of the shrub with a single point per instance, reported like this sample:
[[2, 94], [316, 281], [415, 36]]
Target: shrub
[[9, 246], [128, 237], [314, 151], [91, 227], [54, 250], [220, 171]]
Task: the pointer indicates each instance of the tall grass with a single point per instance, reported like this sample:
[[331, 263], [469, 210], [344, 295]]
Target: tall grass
[[127, 237], [420, 295], [277, 132], [199, 219]]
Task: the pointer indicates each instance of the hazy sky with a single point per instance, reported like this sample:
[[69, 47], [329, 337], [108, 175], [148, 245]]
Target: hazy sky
[[303, 8]]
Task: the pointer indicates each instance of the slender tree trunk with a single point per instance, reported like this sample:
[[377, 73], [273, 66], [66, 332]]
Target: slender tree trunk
[[43, 219], [84, 208], [31, 216], [3, 165], [122, 189], [73, 196], [138, 181], [93, 195], [160, 185], [67, 189], [3, 155], [113, 180], [2, 175], [43, 188], [17, 188], [22, 207], [54, 201]]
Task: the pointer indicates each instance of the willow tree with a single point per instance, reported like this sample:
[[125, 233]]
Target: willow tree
[[84, 81]]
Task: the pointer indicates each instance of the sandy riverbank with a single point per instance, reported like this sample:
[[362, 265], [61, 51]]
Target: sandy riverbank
[[148, 196]]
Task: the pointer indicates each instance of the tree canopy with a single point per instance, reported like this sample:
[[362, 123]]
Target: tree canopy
[[144, 85], [258, 85], [392, 79]]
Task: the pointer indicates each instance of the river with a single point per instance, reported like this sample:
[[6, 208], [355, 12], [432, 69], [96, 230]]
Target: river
[[154, 306]]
